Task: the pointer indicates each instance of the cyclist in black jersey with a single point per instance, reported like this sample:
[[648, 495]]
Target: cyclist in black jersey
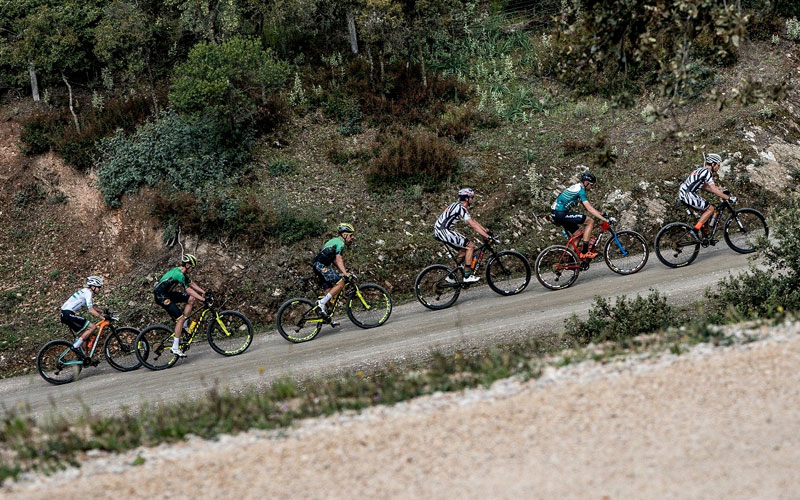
[[168, 298]]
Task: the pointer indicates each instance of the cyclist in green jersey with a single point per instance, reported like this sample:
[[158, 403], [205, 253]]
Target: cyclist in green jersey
[[331, 253], [570, 221], [169, 298]]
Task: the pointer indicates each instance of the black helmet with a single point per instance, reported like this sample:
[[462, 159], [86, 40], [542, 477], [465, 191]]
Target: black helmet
[[588, 176]]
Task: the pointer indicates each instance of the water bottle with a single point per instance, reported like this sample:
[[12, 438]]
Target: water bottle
[[191, 325], [565, 233], [713, 219], [591, 243]]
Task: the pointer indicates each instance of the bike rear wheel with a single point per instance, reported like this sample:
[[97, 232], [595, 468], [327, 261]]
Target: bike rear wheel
[[58, 363], [508, 273], [153, 346], [627, 254], [120, 349], [676, 245], [557, 267], [372, 308], [743, 230], [437, 286], [229, 333], [298, 320]]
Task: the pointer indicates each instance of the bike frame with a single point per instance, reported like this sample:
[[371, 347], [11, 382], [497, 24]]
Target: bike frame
[[349, 290], [95, 338], [718, 215], [572, 242], [479, 253], [203, 311]]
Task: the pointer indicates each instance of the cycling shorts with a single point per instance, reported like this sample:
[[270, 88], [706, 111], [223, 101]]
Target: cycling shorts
[[568, 220], [451, 238], [75, 323], [169, 302], [692, 200], [328, 274]]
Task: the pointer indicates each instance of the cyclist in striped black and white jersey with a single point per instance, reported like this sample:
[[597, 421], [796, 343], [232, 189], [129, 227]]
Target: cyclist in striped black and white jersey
[[443, 231], [702, 178]]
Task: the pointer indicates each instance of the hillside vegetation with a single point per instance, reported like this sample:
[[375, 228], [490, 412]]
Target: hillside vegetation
[[244, 131]]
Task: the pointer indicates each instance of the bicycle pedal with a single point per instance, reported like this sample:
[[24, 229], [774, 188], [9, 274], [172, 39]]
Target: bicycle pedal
[[334, 324], [584, 265]]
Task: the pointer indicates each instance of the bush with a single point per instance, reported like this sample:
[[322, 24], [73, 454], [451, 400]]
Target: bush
[[458, 124], [411, 158], [184, 152], [345, 111], [626, 319], [294, 226], [793, 29]]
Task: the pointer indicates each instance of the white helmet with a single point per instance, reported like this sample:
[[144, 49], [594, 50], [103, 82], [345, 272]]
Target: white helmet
[[94, 281], [465, 193], [713, 158]]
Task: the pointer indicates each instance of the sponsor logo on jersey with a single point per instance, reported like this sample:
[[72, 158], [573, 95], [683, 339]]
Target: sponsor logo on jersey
[[166, 302]]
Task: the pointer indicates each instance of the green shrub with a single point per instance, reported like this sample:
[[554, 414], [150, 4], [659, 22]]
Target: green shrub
[[411, 158], [186, 153], [346, 111], [281, 167], [625, 319], [294, 226], [793, 29], [458, 124]]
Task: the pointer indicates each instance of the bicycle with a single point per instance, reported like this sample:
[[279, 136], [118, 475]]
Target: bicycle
[[677, 243], [300, 320], [60, 363], [507, 273], [229, 333], [558, 266]]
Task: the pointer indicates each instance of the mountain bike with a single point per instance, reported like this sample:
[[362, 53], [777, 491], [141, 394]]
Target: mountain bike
[[507, 273], [677, 244], [59, 363], [300, 320], [558, 266], [229, 333]]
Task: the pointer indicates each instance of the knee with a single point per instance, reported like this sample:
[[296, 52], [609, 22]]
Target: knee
[[470, 246]]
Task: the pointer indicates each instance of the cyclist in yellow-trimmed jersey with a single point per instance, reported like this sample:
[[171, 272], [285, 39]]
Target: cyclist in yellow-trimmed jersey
[[331, 253], [168, 298]]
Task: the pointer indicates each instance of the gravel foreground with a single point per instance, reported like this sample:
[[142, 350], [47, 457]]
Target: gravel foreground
[[716, 422]]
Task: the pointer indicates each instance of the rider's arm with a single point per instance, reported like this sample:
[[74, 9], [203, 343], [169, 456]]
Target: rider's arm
[[713, 189], [96, 312], [339, 261], [589, 208], [478, 228], [192, 290], [194, 286]]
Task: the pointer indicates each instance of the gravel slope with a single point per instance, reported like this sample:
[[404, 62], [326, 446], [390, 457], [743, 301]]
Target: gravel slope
[[718, 422]]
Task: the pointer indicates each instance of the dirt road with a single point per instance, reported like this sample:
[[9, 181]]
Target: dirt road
[[480, 316]]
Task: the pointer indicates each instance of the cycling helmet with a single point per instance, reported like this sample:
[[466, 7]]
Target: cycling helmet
[[94, 281], [465, 193], [588, 176], [713, 158], [189, 260], [345, 227]]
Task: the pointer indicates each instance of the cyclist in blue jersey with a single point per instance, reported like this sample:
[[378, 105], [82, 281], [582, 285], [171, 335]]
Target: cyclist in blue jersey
[[570, 221], [331, 253], [168, 298]]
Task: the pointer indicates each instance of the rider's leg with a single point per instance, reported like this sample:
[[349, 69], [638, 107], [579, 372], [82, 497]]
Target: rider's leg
[[460, 258], [587, 233], [84, 334], [187, 310], [469, 250], [704, 218]]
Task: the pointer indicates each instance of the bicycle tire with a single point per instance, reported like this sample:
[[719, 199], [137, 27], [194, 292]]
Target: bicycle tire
[[676, 240], [238, 338], [58, 363], [636, 253], [377, 310], [554, 264], [750, 224], [430, 287], [153, 346], [120, 350], [508, 273], [294, 316]]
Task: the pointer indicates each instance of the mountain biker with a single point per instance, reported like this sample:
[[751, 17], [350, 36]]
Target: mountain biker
[[560, 211], [443, 231], [702, 177], [331, 253], [168, 298], [81, 326]]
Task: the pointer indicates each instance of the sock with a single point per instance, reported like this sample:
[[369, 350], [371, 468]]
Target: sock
[[175, 342], [77, 343], [698, 225], [585, 247], [467, 272], [325, 299]]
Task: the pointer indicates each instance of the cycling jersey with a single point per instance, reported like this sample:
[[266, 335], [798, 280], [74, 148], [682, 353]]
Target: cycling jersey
[[170, 279], [450, 217], [331, 248], [697, 180], [81, 298], [570, 197]]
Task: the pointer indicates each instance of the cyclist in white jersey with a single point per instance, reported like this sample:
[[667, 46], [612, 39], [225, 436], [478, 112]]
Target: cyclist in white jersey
[[443, 230], [702, 178], [82, 298]]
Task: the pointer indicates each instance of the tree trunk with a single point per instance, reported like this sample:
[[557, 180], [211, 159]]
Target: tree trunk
[[71, 108], [422, 68], [152, 89], [371, 64], [351, 28], [34, 82]]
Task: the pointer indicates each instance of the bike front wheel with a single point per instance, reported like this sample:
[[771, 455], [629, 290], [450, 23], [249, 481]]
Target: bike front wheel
[[120, 349], [676, 245], [58, 363], [229, 333], [626, 253], [508, 273], [744, 229], [153, 347], [437, 287], [369, 306], [557, 267], [298, 320]]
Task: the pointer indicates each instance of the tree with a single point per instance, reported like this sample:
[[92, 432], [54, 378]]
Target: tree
[[383, 29]]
